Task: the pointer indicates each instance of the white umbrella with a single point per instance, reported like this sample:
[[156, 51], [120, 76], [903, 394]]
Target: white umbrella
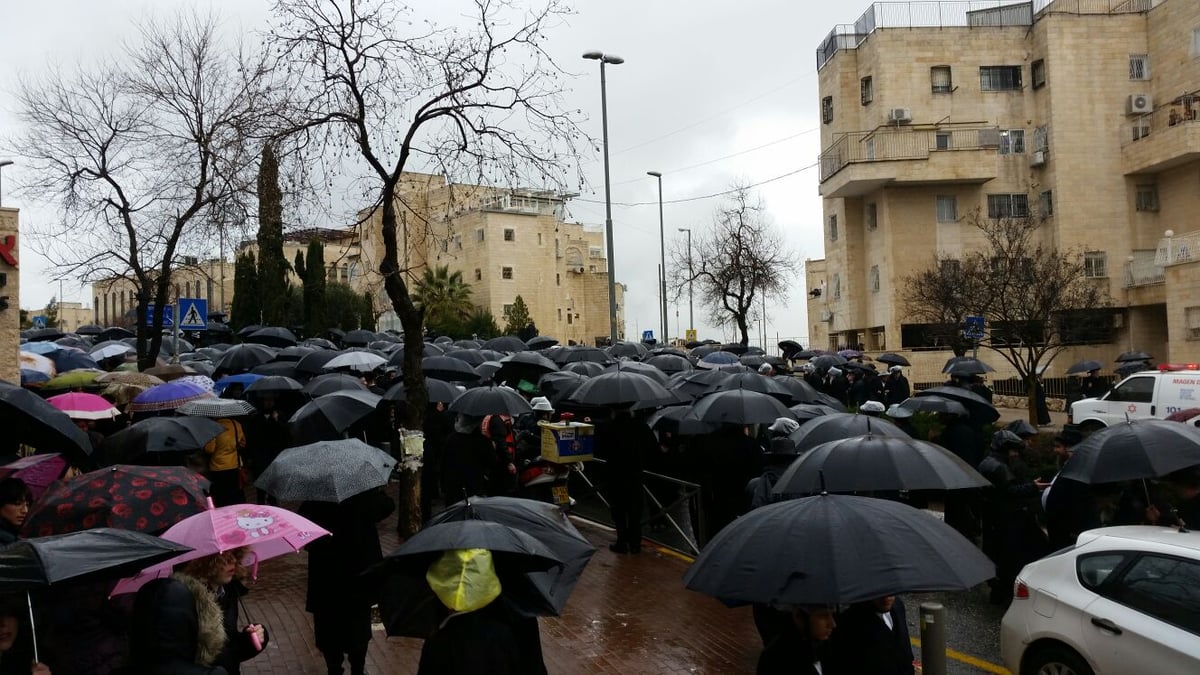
[[363, 362]]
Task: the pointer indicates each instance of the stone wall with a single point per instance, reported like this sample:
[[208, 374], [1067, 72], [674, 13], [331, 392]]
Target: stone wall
[[10, 317]]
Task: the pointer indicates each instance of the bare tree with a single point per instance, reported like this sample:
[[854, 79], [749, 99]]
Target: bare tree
[[1036, 299], [737, 263], [140, 155]]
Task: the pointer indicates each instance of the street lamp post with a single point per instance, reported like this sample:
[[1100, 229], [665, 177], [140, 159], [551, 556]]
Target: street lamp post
[[3, 163], [691, 307], [662, 255], [608, 226]]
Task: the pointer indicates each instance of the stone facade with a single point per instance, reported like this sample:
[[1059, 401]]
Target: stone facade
[[1077, 111], [10, 295]]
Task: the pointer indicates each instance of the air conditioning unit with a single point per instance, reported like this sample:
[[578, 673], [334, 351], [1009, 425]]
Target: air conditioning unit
[[1139, 104], [899, 115], [1038, 158], [827, 316]]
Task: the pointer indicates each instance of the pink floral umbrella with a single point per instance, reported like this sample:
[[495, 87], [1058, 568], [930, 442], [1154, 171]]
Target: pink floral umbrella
[[37, 471], [268, 531], [83, 406]]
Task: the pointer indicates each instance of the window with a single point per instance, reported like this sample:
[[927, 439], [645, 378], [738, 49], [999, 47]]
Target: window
[[1037, 73], [1041, 139], [478, 274], [1146, 198], [569, 315], [1134, 390], [1094, 569], [1195, 42], [595, 252], [871, 215], [837, 285], [1012, 142], [510, 234], [1046, 203], [507, 310], [873, 278], [506, 273], [999, 78], [1139, 66], [1163, 587], [950, 267], [942, 140], [1008, 206], [539, 238], [833, 229], [939, 78], [458, 242], [865, 93], [1140, 130], [1095, 264], [947, 209], [827, 109], [560, 313], [558, 280], [479, 234], [1192, 316]]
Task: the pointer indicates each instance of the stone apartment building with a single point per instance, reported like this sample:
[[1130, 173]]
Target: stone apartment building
[[1083, 113], [10, 293]]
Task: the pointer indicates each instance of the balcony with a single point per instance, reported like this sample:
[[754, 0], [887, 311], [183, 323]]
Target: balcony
[[859, 162], [1143, 269], [1178, 249], [1165, 138]]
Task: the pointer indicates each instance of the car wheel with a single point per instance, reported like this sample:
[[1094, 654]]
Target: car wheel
[[1055, 660]]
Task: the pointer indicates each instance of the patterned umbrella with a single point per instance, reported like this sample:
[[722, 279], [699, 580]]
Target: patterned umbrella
[[123, 377], [326, 471], [141, 498], [168, 396], [216, 408], [170, 372], [37, 471], [81, 406]]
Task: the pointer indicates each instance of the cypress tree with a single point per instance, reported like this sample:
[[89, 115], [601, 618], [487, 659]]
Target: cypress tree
[[247, 307], [315, 320], [272, 266]]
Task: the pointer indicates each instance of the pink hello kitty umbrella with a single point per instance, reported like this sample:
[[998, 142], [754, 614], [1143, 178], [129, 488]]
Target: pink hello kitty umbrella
[[269, 531]]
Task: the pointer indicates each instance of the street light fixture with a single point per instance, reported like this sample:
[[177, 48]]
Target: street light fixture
[[3, 163], [691, 307], [662, 254], [608, 226]]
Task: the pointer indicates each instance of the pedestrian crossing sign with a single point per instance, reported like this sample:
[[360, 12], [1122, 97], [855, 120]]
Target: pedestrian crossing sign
[[193, 314]]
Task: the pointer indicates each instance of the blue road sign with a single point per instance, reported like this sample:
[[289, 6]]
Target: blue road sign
[[647, 335], [973, 328], [193, 313], [39, 322], [168, 316]]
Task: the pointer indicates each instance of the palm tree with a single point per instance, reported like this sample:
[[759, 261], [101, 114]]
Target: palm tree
[[444, 297]]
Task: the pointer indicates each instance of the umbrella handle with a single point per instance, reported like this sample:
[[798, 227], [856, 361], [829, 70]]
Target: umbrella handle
[[32, 628]]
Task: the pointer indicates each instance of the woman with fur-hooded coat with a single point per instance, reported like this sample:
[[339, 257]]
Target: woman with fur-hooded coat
[[177, 629]]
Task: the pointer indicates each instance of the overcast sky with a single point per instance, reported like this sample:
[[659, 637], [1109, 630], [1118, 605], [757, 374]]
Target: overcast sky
[[711, 93]]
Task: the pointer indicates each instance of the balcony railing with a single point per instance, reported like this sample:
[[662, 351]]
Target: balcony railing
[[1178, 249], [960, 13], [1181, 112], [897, 143], [1142, 269]]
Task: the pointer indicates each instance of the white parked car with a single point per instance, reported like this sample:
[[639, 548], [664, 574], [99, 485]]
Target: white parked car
[[1122, 601], [1151, 393]]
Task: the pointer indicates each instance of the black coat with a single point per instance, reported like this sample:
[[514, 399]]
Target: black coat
[[238, 646], [1070, 509], [958, 437], [473, 643], [164, 632], [896, 388], [863, 644], [468, 460], [8, 533], [626, 444], [335, 562], [791, 653]]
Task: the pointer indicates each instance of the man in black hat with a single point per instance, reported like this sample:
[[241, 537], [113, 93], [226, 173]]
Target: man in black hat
[[1011, 535], [1092, 386], [1069, 504]]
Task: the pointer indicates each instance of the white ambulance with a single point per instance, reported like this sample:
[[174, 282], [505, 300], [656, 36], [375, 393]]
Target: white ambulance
[[1150, 393]]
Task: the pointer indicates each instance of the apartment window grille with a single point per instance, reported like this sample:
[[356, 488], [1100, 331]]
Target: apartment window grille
[[1195, 42], [874, 278], [1046, 203], [1139, 66], [871, 216], [1095, 264], [1146, 198], [478, 274], [1008, 205], [865, 90], [558, 280], [837, 286], [570, 316], [827, 110], [1012, 142], [947, 209], [1037, 73], [506, 273], [560, 313], [833, 228], [1140, 130], [939, 79], [1041, 139], [1192, 315], [479, 234], [510, 234], [941, 140], [999, 78]]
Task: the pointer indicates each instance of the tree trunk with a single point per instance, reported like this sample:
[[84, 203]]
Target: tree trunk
[[1031, 399], [744, 329]]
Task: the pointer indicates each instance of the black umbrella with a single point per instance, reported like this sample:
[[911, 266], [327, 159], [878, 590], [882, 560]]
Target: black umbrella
[[966, 365], [506, 343], [539, 342], [1132, 357], [529, 366], [640, 368], [577, 354], [241, 358], [703, 350], [29, 419], [807, 354], [872, 462], [758, 383], [621, 388], [835, 549], [892, 359], [273, 336], [627, 350], [279, 369], [490, 400], [976, 405], [115, 333], [331, 382], [673, 351], [1084, 367], [452, 535], [559, 385], [246, 331], [318, 343], [159, 435], [837, 426], [42, 334], [827, 361], [799, 390], [486, 370], [670, 363], [428, 349], [472, 357], [439, 391], [677, 420], [326, 471], [70, 359], [327, 417], [102, 552], [789, 348], [739, 406], [934, 404], [448, 368], [1138, 448], [467, 344], [314, 363], [808, 411], [277, 385], [89, 329], [358, 337], [587, 368], [293, 353]]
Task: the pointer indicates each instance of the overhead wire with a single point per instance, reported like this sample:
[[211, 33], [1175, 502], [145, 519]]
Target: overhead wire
[[725, 157], [703, 197]]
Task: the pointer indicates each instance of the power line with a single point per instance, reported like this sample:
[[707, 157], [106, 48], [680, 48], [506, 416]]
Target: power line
[[702, 197], [725, 157]]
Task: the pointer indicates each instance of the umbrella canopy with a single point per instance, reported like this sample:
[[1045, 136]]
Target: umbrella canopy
[[114, 333], [217, 408], [827, 361], [331, 382], [134, 378], [326, 471], [892, 359], [439, 391], [670, 363], [976, 405], [1138, 448], [529, 366], [81, 406], [934, 404], [716, 359], [560, 384], [835, 549], [268, 531], [42, 335], [582, 354], [966, 367], [159, 434], [678, 420], [452, 535], [838, 426], [627, 350], [539, 342], [73, 380], [585, 368], [490, 400], [358, 337], [71, 359], [328, 416], [31, 420], [293, 353], [244, 379], [77, 556], [40, 348], [273, 336], [872, 462], [241, 358], [506, 343], [171, 371], [276, 385], [472, 357], [36, 471], [171, 346], [789, 348], [89, 329], [449, 369], [739, 406], [32, 378], [467, 344], [621, 388], [1183, 415], [1084, 367], [808, 411], [358, 361], [799, 390], [756, 382], [168, 396], [37, 363], [279, 369], [1133, 357], [141, 498], [640, 368]]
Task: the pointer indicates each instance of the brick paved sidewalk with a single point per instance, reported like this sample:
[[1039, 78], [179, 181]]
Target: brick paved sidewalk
[[628, 615]]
